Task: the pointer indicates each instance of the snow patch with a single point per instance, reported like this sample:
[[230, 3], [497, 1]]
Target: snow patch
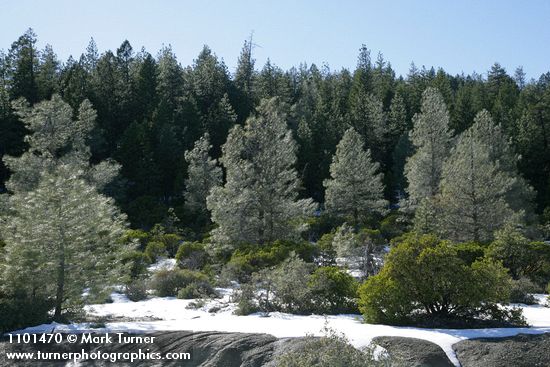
[[162, 264], [174, 314]]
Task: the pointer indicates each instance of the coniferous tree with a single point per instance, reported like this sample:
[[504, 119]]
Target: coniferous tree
[[431, 139], [244, 81], [397, 119], [23, 60], [56, 138], [501, 152], [74, 83], [203, 174], [62, 237], [12, 132], [259, 201], [219, 121], [472, 202], [47, 76], [355, 189]]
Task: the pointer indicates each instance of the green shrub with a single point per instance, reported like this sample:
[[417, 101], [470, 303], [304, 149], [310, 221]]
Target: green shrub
[[326, 253], [366, 246], [138, 263], [283, 288], [469, 252], [424, 281], [136, 290], [393, 226], [251, 258], [320, 225], [289, 281], [521, 256], [171, 241], [19, 311], [138, 236], [154, 250], [331, 350], [145, 211], [333, 291], [168, 283], [192, 255], [245, 298], [521, 291], [198, 289]]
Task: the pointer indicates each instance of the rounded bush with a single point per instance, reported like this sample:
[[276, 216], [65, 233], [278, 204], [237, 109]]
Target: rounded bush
[[168, 283], [136, 290], [333, 291], [154, 250], [424, 281], [192, 255]]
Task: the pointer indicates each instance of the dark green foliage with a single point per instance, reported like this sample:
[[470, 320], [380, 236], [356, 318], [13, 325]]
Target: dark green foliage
[[469, 252], [192, 255], [326, 252], [19, 311], [333, 291], [251, 258], [139, 262], [154, 250], [151, 110], [521, 256], [168, 283], [145, 211], [393, 225], [424, 281], [171, 241], [138, 236]]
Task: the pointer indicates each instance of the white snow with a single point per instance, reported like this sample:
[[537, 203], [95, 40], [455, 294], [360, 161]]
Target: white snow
[[162, 264], [163, 314]]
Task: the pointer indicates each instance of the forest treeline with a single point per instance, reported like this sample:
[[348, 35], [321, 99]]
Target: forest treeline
[[432, 189], [150, 110]]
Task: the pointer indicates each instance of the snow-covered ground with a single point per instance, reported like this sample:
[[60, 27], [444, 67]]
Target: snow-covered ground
[[163, 314], [162, 264]]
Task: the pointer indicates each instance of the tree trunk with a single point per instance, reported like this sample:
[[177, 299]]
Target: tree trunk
[[60, 284], [60, 292]]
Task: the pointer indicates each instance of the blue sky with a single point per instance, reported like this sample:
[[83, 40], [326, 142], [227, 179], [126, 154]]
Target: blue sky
[[460, 36]]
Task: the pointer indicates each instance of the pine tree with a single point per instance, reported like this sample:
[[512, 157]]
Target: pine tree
[[23, 62], [244, 81], [61, 238], [519, 77], [47, 78], [12, 132], [431, 139], [355, 189], [219, 120], [473, 192], [74, 82], [56, 138], [169, 84], [259, 201], [501, 152], [203, 174], [397, 120]]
